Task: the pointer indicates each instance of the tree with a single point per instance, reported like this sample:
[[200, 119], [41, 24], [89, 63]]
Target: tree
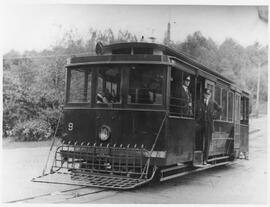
[[202, 49]]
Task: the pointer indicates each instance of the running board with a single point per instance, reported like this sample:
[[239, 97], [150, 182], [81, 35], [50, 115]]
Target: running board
[[204, 167], [218, 158]]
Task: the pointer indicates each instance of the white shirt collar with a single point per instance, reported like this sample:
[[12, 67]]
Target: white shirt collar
[[185, 87]]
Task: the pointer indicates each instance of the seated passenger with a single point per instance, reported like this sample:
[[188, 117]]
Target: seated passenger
[[144, 95], [115, 97], [101, 98], [108, 96]]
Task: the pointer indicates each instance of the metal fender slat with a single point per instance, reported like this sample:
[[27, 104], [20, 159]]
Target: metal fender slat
[[99, 166], [92, 180]]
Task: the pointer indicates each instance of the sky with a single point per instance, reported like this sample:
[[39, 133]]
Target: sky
[[39, 26]]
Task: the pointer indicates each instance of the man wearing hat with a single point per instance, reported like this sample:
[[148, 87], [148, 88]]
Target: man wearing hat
[[185, 97], [207, 110]]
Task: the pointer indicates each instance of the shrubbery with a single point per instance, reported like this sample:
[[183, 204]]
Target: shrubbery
[[33, 130], [31, 100]]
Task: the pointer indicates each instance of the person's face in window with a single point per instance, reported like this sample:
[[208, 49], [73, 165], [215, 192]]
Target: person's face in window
[[207, 95], [187, 81]]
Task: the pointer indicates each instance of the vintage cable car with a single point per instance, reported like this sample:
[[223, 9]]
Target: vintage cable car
[[124, 123]]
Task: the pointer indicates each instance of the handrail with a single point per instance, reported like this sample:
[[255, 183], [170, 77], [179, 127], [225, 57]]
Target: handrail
[[154, 144]]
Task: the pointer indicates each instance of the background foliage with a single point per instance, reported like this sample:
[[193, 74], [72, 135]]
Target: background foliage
[[33, 82]]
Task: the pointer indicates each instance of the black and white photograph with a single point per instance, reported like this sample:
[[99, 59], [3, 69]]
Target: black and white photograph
[[135, 103]]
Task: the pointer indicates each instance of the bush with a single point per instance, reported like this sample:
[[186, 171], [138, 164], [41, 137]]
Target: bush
[[33, 130], [51, 116]]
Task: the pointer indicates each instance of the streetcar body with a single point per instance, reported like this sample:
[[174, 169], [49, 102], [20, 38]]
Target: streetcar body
[[122, 116]]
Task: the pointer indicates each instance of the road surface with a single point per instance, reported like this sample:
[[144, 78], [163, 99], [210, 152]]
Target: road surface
[[244, 182]]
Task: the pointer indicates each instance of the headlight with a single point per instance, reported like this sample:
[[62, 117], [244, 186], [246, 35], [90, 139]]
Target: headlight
[[104, 133]]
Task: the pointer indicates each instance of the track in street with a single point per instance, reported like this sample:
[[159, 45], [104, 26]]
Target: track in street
[[60, 196]]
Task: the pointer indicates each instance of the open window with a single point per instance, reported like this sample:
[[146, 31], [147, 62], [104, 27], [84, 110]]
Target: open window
[[230, 106], [182, 93], [224, 114], [218, 97]]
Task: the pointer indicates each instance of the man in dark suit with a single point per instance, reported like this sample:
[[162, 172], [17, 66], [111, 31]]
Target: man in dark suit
[[185, 97], [206, 111]]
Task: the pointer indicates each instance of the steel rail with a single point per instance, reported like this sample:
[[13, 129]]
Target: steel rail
[[44, 195]]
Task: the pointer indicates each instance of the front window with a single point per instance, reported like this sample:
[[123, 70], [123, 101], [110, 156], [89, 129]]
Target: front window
[[108, 84], [80, 86], [145, 84]]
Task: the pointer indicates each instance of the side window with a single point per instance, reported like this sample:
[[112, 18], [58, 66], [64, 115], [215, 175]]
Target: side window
[[247, 110], [182, 93], [218, 97], [244, 110], [237, 108], [230, 107], [224, 104]]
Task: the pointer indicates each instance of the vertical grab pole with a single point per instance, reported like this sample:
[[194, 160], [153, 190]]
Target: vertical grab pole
[[152, 149], [53, 141]]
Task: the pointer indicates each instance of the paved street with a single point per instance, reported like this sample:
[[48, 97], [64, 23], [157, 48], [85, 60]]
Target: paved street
[[244, 182]]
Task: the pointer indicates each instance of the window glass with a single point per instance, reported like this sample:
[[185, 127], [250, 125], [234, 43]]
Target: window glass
[[80, 86], [247, 110], [224, 105], [108, 84], [230, 107], [244, 110], [238, 108], [145, 84]]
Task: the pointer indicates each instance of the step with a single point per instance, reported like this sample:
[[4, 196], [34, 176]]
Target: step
[[218, 158], [177, 167], [194, 170]]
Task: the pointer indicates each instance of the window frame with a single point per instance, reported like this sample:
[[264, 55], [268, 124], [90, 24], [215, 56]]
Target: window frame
[[228, 91], [68, 86], [95, 89]]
